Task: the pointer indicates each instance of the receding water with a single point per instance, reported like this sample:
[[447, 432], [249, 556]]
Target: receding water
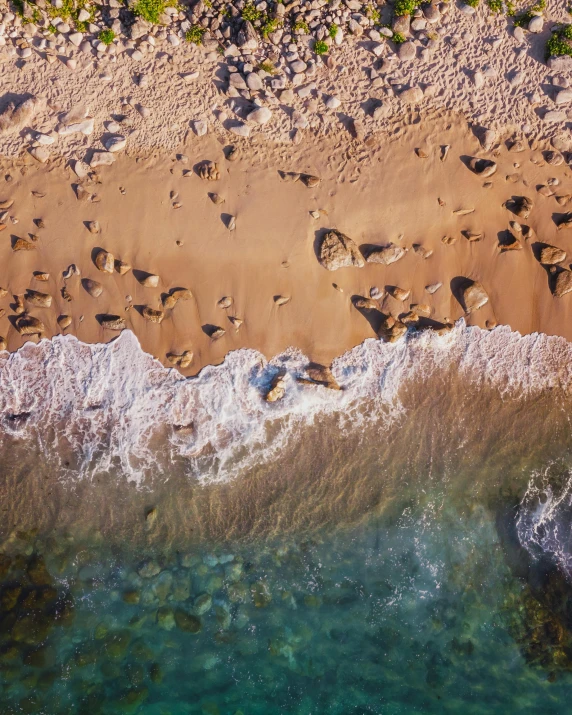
[[400, 547]]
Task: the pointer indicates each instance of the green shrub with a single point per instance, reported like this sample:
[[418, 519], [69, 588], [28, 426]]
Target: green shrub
[[560, 42], [301, 26], [250, 13], [320, 47], [496, 6], [374, 14], [269, 25], [267, 67], [398, 38], [106, 36], [405, 7], [524, 18], [150, 10], [195, 34], [333, 31], [472, 3]]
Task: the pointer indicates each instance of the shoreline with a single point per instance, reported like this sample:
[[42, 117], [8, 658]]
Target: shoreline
[[155, 215]]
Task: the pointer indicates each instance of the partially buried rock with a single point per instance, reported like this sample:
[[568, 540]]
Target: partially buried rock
[[112, 322], [225, 302], [281, 299], [562, 283], [94, 288], [365, 304], [64, 321], [433, 288], [20, 244], [339, 251], [186, 622], [386, 254], [122, 267], [92, 226], [41, 300], [399, 293], [322, 375], [115, 143], [277, 389], [551, 255], [208, 170], [149, 280], [152, 315], [521, 206], [3, 344], [473, 296], [309, 180], [105, 261], [482, 167], [565, 221], [28, 325], [183, 360]]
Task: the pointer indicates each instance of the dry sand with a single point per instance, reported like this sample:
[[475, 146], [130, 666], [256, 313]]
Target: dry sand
[[376, 193]]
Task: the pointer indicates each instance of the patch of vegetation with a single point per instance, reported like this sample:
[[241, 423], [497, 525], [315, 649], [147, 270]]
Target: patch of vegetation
[[250, 13], [405, 7], [560, 42], [524, 18], [150, 10], [398, 38], [320, 47], [52, 29], [269, 25], [267, 67], [333, 31], [106, 36], [301, 26], [195, 34], [472, 3], [373, 13], [496, 6]]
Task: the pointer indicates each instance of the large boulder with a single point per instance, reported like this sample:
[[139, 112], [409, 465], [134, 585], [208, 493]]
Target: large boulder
[[550, 255], [339, 251]]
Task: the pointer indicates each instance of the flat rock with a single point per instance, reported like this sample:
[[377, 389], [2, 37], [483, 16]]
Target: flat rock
[[262, 115], [40, 153], [474, 297], [413, 95], [386, 254], [115, 143], [112, 322], [101, 158], [152, 315], [94, 288], [562, 284], [339, 251], [551, 255]]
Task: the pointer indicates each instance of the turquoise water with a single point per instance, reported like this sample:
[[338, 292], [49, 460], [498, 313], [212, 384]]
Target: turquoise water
[[420, 615], [376, 560]]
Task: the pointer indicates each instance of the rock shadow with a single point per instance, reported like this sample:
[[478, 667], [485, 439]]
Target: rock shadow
[[458, 285]]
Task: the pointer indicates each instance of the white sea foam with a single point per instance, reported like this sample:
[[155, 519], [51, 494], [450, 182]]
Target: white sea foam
[[112, 404]]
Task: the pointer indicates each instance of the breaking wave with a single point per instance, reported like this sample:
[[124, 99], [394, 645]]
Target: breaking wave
[[114, 406]]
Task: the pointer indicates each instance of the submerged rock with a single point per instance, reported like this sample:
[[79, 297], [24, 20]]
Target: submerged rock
[[277, 389]]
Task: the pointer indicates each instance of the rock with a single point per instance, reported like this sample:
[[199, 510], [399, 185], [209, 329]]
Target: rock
[[536, 24], [339, 251], [152, 315], [225, 302], [208, 170], [555, 116], [80, 169], [520, 206], [115, 143], [186, 622], [262, 115], [554, 158], [414, 95], [565, 221], [20, 244], [407, 52], [217, 333], [332, 103], [101, 158], [478, 79], [40, 153], [93, 226], [281, 299], [64, 321], [488, 139], [321, 375], [277, 389], [94, 288], [183, 360], [16, 116], [551, 255], [200, 127], [309, 180], [400, 294], [3, 344], [85, 127], [365, 304], [149, 280], [433, 288], [386, 254], [105, 261], [112, 322], [202, 604], [563, 97], [482, 167], [562, 283], [240, 129], [391, 330], [474, 297], [122, 267], [560, 64], [41, 300], [28, 325]]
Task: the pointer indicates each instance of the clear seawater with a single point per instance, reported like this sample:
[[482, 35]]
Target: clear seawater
[[400, 548]]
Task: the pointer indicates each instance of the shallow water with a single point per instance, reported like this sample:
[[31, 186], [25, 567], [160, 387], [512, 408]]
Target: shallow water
[[402, 546]]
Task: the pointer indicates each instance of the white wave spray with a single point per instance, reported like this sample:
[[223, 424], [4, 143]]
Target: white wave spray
[[110, 401]]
